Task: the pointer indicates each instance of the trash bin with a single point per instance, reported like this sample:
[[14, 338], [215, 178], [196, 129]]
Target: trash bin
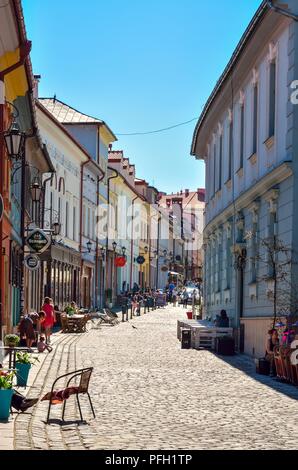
[[225, 346], [185, 339]]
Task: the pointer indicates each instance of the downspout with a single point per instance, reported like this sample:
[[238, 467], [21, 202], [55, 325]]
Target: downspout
[[108, 221], [44, 188], [282, 11], [131, 241], [24, 53]]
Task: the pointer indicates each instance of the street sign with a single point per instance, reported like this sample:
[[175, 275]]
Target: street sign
[[32, 262], [38, 241], [120, 261], [1, 207], [140, 260]]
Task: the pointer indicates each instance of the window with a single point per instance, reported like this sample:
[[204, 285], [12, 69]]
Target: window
[[272, 98], [214, 169], [241, 135], [230, 150], [255, 120], [66, 219], [74, 223], [220, 164]]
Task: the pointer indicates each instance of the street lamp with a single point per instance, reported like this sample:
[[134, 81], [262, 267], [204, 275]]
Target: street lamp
[[89, 246], [123, 250], [35, 190], [14, 141], [56, 228], [146, 249], [114, 244], [102, 252]]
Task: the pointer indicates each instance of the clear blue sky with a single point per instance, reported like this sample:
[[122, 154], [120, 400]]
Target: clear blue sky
[[139, 66]]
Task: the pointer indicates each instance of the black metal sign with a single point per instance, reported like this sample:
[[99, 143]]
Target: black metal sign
[[140, 260], [38, 241]]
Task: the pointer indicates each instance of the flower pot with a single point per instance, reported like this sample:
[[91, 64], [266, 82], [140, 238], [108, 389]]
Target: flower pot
[[5, 402], [22, 374]]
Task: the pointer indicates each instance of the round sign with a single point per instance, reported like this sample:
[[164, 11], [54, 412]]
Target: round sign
[[38, 241], [120, 261], [1, 207], [164, 268], [32, 262], [140, 260]]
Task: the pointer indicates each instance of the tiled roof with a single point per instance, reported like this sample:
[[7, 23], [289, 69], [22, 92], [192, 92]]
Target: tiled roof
[[66, 114]]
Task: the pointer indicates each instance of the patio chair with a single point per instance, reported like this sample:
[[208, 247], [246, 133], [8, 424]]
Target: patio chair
[[112, 315], [82, 388]]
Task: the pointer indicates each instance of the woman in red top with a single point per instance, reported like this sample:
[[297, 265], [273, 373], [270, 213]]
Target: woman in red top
[[50, 319]]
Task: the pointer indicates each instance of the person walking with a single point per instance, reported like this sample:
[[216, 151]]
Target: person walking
[[185, 297], [50, 318]]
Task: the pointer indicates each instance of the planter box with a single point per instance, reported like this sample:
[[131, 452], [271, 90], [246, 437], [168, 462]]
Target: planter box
[[22, 374], [5, 401], [225, 346]]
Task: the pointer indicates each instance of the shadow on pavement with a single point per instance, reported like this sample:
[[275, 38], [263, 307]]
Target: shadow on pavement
[[247, 365], [62, 423]]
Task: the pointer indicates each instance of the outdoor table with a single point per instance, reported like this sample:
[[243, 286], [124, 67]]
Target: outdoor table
[[76, 323], [12, 353]]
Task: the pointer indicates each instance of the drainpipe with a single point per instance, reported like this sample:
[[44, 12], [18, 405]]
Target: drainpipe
[[108, 221], [282, 11], [131, 241], [25, 49]]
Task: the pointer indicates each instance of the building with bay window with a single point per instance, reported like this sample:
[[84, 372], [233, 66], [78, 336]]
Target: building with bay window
[[247, 136]]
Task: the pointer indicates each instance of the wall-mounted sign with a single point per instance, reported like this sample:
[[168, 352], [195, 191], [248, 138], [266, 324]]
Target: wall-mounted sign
[[164, 268], [1, 207], [32, 262], [120, 261], [38, 241], [140, 260]]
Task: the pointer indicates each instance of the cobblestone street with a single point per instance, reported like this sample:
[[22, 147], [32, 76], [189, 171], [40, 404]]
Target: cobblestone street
[[150, 394]]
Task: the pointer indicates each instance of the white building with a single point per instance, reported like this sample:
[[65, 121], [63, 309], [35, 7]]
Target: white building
[[247, 135]]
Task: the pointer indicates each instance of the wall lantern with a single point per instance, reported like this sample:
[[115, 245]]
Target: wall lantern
[[123, 250], [35, 190], [89, 246], [114, 244], [56, 228], [14, 141]]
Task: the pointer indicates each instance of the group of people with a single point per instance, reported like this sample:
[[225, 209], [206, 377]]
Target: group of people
[[37, 327]]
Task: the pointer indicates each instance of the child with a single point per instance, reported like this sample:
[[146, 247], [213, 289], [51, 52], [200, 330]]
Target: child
[[42, 346]]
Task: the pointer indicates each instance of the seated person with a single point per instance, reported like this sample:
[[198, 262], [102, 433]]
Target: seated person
[[223, 321], [272, 341], [42, 346]]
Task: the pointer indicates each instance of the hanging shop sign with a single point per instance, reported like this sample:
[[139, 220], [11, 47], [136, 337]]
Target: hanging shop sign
[[32, 262], [120, 261], [1, 207], [164, 268], [140, 260], [38, 241]]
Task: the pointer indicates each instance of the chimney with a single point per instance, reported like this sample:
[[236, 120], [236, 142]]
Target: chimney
[[35, 85], [186, 192], [201, 194]]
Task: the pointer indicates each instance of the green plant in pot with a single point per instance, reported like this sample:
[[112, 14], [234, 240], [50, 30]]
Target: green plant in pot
[[6, 392], [69, 310], [12, 341], [24, 362]]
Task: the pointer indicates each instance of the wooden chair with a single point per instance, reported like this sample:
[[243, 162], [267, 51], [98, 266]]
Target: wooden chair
[[64, 323], [83, 388]]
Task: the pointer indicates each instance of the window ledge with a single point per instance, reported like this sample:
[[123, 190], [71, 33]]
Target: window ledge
[[270, 142], [228, 183], [253, 159], [239, 172]]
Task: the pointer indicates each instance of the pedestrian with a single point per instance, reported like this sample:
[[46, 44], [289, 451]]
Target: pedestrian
[[174, 297], [271, 342], [185, 297], [224, 321], [50, 319], [26, 330]]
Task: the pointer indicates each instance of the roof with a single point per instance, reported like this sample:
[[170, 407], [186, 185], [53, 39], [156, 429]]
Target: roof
[[250, 30], [66, 114]]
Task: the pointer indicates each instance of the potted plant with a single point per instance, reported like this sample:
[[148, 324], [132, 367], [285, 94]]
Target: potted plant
[[11, 341], [6, 392], [69, 310], [24, 362]]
